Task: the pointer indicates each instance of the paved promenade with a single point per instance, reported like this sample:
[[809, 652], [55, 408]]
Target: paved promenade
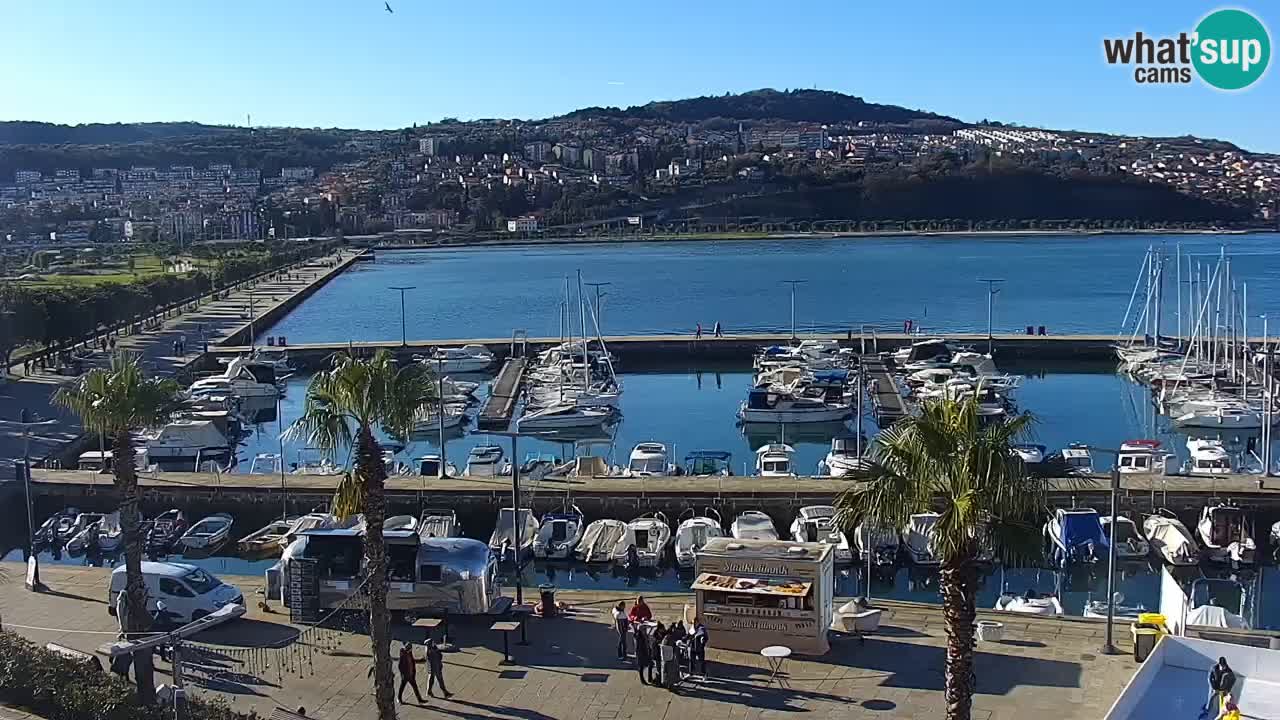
[[216, 319], [1045, 668]]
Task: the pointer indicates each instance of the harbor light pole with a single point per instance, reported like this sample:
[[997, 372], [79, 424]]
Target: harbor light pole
[[1108, 646], [28, 421], [597, 286], [517, 526], [793, 284], [442, 473], [403, 337], [991, 295]]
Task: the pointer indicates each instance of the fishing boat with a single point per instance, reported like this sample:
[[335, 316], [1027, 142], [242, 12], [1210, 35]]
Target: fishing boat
[[599, 539], [504, 541], [753, 525], [429, 466], [558, 535], [817, 523], [649, 459], [208, 534], [1208, 457], [774, 460], [708, 463], [693, 532], [485, 461], [110, 534], [1130, 545], [563, 416], [439, 523], [917, 537], [1076, 536], [1225, 534], [1077, 459], [645, 541], [1170, 538], [767, 406], [1140, 456], [471, 358], [265, 541], [847, 456]]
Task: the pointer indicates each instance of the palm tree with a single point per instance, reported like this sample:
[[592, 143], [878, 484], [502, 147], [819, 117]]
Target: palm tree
[[344, 405], [112, 403], [946, 460]]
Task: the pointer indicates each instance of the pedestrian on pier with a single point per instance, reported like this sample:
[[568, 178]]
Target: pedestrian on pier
[[408, 673], [435, 666], [698, 334], [620, 624], [716, 330]]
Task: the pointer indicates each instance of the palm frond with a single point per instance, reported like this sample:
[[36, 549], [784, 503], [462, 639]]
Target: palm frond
[[120, 398]]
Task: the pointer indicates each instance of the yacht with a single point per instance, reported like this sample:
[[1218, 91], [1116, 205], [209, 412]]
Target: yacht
[[558, 535], [844, 459], [503, 541], [1076, 536], [1140, 456], [599, 540], [1225, 535], [924, 350], [439, 523], [208, 534], [455, 416], [1077, 459], [1208, 457], [563, 416], [917, 536], [753, 525], [186, 440], [242, 378], [1223, 415], [817, 523], [1130, 545], [650, 535], [1170, 539], [485, 461], [767, 406], [649, 459], [774, 460], [707, 463], [466, 359], [880, 542], [693, 533]]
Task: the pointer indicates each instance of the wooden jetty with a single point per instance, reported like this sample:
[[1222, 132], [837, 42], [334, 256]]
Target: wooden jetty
[[497, 411], [885, 397]]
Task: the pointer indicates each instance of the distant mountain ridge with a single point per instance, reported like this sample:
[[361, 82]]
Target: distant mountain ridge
[[815, 106]]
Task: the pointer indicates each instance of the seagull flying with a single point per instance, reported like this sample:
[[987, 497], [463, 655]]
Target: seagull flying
[[388, 6]]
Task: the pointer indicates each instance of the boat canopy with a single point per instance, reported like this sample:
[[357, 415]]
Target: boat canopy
[[1080, 528]]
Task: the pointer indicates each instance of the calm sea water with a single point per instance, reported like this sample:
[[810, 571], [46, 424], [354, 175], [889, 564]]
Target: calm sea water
[[1068, 284]]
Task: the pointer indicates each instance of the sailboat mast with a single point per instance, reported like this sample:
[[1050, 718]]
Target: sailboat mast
[[858, 440], [582, 315], [1178, 289], [1159, 308]]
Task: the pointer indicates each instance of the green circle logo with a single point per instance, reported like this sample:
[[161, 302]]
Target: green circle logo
[[1232, 49]]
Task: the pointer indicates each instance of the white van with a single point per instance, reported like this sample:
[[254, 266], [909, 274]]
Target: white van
[[188, 592]]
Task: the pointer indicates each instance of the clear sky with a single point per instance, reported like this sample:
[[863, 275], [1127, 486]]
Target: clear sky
[[349, 63]]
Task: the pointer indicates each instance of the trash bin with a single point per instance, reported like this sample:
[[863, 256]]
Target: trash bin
[[990, 631], [547, 594], [1145, 637]]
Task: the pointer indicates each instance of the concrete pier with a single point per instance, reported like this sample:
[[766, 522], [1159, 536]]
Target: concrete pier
[[497, 411], [885, 397]]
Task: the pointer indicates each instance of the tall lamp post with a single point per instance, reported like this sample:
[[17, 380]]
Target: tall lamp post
[[28, 421], [404, 340], [518, 526], [1108, 646], [442, 473], [793, 284], [991, 296]]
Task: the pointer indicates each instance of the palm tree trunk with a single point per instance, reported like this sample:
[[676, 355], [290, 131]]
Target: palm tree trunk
[[370, 469], [959, 580], [139, 620]]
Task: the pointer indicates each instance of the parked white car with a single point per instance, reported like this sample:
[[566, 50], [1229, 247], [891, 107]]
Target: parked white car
[[189, 593]]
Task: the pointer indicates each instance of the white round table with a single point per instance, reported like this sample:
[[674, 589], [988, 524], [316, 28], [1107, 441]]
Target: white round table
[[776, 655]]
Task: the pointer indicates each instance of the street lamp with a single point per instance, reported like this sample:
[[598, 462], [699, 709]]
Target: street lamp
[[441, 473], [28, 421], [515, 501], [403, 338], [793, 284], [991, 295], [252, 331], [1108, 647]]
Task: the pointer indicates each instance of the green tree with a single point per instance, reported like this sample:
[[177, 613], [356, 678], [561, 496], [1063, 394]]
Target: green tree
[[114, 402], [946, 460], [344, 405]]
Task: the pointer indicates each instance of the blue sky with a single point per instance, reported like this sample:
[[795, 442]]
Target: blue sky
[[349, 63]]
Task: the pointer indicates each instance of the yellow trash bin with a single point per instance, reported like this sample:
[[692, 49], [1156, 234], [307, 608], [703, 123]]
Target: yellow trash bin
[[1145, 637]]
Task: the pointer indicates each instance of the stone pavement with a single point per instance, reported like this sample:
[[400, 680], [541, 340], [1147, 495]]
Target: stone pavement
[[1044, 668], [217, 319]]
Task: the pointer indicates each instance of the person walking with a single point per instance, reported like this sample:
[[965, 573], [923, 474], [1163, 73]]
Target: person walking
[[642, 651], [716, 330], [620, 624], [1221, 681], [698, 646], [698, 334], [435, 667], [408, 674], [640, 612]]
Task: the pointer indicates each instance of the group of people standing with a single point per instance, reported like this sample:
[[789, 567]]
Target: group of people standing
[[661, 651]]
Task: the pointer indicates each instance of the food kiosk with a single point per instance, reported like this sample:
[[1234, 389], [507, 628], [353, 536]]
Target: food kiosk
[[755, 593]]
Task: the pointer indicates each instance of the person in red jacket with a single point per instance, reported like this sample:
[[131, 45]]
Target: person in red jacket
[[640, 612]]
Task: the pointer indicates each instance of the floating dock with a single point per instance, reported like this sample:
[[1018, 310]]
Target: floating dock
[[885, 397], [497, 411]]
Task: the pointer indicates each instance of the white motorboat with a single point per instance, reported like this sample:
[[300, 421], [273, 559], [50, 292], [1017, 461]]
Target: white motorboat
[[470, 358], [455, 416], [1120, 611], [1029, 453], [925, 350], [1225, 534], [485, 461], [1170, 539], [266, 464], [1221, 416], [439, 523], [110, 533], [503, 541], [84, 533], [186, 440], [315, 465], [881, 542], [693, 533], [429, 466], [165, 531], [599, 539], [649, 459], [563, 416], [753, 525], [847, 456], [1077, 459], [1141, 456], [208, 534], [1076, 535], [1208, 457], [817, 523], [917, 536], [394, 523], [1130, 545], [767, 406], [1030, 603], [649, 535], [708, 463], [558, 535], [242, 378], [774, 460]]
